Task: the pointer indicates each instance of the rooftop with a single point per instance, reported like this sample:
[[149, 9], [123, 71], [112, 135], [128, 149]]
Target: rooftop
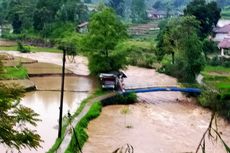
[[225, 43], [83, 24], [224, 29]]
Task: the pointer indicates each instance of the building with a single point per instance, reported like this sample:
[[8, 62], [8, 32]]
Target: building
[[224, 46], [83, 27], [221, 33], [154, 14]]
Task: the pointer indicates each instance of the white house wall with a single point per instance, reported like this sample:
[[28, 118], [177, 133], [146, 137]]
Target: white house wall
[[220, 37]]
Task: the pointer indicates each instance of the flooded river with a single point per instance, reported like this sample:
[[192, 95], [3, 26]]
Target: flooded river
[[46, 103], [161, 122]]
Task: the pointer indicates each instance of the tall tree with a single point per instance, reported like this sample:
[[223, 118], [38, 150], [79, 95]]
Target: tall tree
[[15, 119], [20, 14], [105, 32], [41, 17], [45, 12], [207, 13], [138, 11], [3, 12], [179, 37], [158, 5], [118, 6]]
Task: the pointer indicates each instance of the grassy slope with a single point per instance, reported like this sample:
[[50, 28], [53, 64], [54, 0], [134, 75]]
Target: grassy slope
[[217, 76], [14, 73], [218, 69]]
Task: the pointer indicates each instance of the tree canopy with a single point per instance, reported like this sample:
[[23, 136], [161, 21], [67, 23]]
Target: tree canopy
[[105, 32], [138, 11], [27, 15], [15, 120], [118, 6], [179, 37], [207, 13]]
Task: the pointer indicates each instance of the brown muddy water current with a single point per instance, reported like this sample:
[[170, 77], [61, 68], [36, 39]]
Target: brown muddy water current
[[161, 122], [46, 103], [160, 125]]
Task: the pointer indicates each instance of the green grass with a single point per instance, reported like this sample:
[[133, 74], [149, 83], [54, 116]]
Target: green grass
[[217, 69], [150, 36], [219, 80], [142, 44], [82, 136], [216, 93], [17, 72], [58, 141], [33, 49], [223, 85]]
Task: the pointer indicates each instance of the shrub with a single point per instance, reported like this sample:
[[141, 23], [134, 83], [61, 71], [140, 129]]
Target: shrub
[[22, 48], [209, 46], [139, 53], [12, 36], [226, 63], [219, 61], [124, 99], [217, 102]]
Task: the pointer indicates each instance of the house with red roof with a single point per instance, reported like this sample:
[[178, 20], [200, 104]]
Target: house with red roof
[[224, 46], [222, 37], [221, 33]]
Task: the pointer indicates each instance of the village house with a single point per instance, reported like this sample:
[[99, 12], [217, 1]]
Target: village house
[[83, 27], [224, 46], [154, 14], [221, 33], [222, 37]]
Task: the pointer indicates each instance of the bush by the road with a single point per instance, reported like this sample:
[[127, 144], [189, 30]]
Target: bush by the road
[[121, 99], [22, 48]]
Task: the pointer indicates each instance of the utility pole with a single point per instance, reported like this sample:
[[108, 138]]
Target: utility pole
[[62, 95]]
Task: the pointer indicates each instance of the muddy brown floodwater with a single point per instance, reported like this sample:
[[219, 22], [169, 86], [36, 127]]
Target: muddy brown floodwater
[[161, 122], [46, 104]]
